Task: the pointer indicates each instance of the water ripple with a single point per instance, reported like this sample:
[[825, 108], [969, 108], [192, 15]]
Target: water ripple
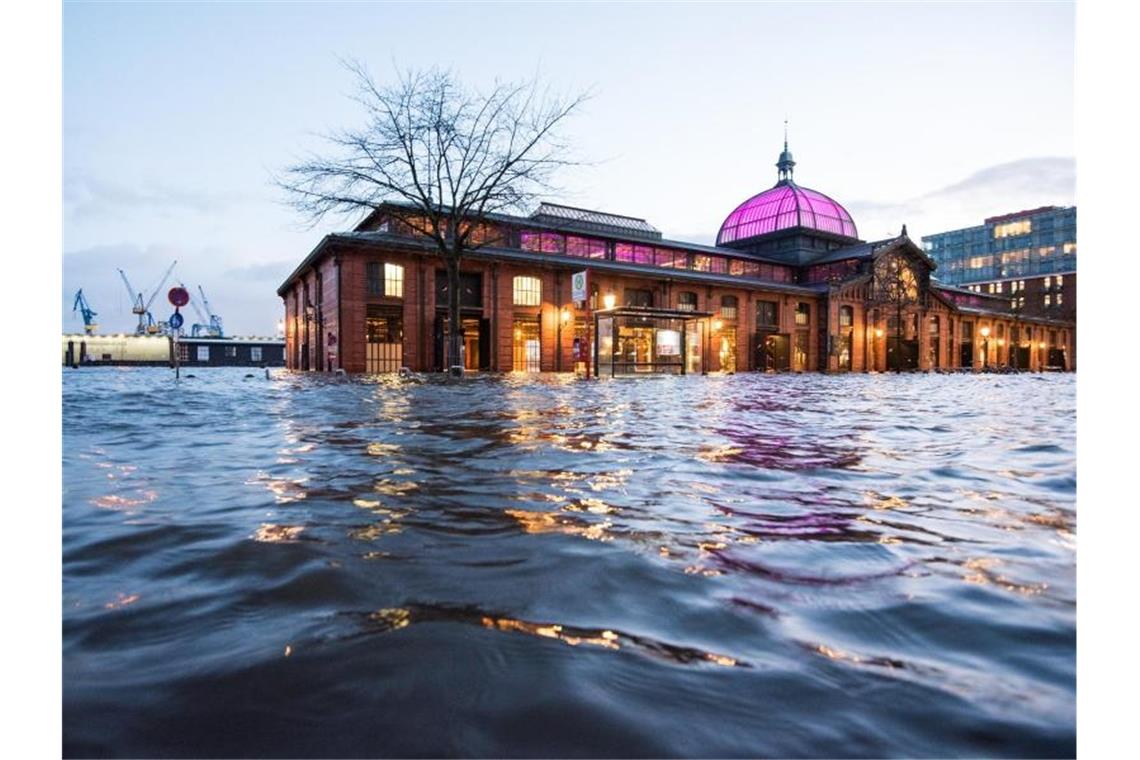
[[752, 565]]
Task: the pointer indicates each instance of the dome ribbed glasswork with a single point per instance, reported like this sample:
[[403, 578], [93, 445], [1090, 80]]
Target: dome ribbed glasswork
[[782, 207]]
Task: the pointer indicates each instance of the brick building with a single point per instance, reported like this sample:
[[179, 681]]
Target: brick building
[[788, 286]]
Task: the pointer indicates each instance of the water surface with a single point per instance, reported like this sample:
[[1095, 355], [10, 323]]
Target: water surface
[[753, 565]]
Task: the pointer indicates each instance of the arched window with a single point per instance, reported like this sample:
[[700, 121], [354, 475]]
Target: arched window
[[846, 316]]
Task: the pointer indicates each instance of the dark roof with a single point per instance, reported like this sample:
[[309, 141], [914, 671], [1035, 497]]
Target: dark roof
[[516, 254], [570, 217]]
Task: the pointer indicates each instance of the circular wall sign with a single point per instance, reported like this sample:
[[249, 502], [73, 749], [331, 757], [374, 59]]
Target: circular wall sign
[[176, 320]]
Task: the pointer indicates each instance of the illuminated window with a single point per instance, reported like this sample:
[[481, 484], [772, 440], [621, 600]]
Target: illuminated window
[[1059, 296], [687, 301], [1011, 229], [803, 313], [1060, 281], [728, 307], [528, 291], [1048, 282], [1070, 248], [394, 280], [999, 287], [1048, 300], [846, 316]]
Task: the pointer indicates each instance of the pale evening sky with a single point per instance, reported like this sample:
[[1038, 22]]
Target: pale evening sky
[[175, 116]]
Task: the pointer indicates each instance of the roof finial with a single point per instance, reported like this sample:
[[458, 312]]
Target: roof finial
[[785, 164], [904, 230]]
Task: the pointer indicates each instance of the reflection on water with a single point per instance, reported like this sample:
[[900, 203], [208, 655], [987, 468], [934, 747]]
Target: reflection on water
[[751, 565]]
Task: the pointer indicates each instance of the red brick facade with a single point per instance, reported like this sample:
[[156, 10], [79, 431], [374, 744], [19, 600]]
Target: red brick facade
[[327, 304]]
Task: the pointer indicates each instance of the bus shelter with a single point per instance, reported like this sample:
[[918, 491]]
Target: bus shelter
[[636, 340]]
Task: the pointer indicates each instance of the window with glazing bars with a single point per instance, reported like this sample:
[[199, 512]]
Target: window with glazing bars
[[394, 280], [803, 313], [373, 282], [728, 307], [384, 339], [527, 291], [687, 301]]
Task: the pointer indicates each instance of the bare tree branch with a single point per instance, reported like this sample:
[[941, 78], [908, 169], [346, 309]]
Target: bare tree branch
[[440, 158]]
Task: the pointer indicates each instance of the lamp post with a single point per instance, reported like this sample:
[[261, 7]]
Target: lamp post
[[985, 331], [878, 337]]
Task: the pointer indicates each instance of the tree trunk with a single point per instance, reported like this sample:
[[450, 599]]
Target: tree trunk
[[454, 320]]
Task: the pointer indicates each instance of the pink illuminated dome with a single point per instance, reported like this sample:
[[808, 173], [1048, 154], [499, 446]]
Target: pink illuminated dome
[[786, 206]]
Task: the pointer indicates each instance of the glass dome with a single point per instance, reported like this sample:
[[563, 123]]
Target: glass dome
[[782, 207]]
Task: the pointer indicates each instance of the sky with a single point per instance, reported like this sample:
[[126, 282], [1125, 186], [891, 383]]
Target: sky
[[177, 116]]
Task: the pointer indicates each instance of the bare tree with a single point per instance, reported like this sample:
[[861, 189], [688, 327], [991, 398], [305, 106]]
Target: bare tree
[[445, 155]]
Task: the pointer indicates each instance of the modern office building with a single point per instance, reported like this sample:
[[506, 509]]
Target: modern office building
[[788, 286], [1029, 257]]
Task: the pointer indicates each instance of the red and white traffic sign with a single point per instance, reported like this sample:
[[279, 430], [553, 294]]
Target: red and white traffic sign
[[178, 296]]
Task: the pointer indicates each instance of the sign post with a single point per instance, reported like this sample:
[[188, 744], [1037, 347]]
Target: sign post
[[178, 297], [580, 294]]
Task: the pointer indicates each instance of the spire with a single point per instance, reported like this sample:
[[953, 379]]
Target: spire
[[786, 163]]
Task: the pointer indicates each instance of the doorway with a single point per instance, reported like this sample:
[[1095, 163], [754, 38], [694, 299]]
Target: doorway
[[773, 352]]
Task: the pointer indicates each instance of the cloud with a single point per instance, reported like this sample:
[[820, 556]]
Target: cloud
[[86, 197], [1003, 188]]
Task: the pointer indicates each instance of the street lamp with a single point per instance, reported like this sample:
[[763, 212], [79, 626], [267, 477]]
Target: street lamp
[[985, 331], [609, 300]]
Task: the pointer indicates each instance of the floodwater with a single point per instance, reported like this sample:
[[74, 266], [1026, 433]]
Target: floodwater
[[752, 565]]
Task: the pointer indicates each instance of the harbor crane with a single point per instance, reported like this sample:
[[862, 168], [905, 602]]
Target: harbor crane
[[211, 323], [213, 327], [84, 308], [147, 325]]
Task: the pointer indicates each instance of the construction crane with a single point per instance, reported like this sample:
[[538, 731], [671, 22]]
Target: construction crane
[[84, 308], [147, 325]]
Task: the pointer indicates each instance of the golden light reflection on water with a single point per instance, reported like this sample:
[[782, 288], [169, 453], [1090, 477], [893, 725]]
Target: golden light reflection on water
[[382, 449], [397, 618], [880, 501], [980, 571], [605, 638], [284, 490], [722, 453], [121, 503], [550, 522], [277, 534]]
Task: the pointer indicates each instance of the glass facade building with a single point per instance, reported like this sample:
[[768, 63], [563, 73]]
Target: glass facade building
[[1031, 243]]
